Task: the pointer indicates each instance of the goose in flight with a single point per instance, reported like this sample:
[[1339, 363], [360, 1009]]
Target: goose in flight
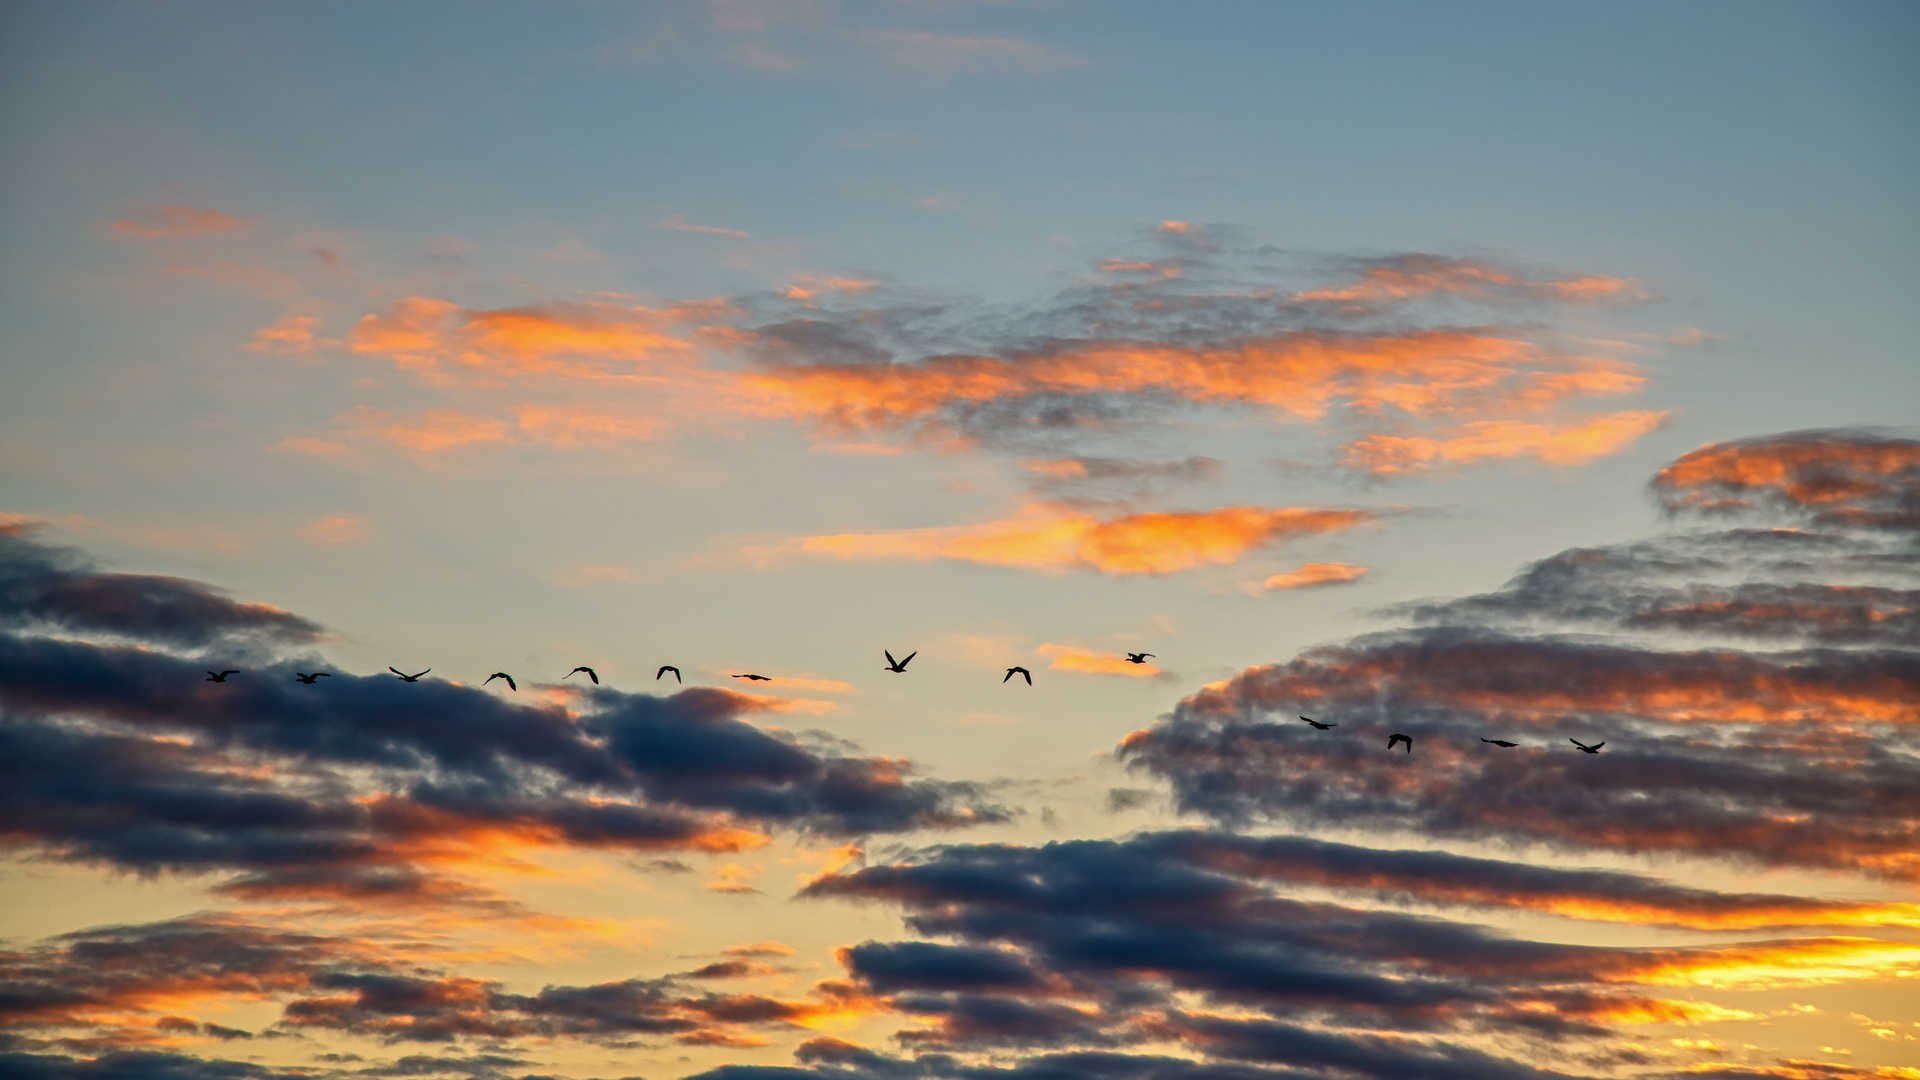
[[308, 678], [221, 676], [1584, 748], [1012, 671], [591, 674], [404, 677], [1500, 742], [1138, 657], [1398, 738], [511, 685], [1318, 724], [755, 678], [664, 668], [899, 667]]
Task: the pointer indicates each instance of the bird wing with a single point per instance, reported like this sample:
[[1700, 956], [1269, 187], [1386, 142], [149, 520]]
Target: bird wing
[[323, 674], [1010, 672], [1028, 675], [423, 673], [594, 675], [891, 662], [396, 671], [1598, 745], [511, 685], [909, 658], [231, 671]]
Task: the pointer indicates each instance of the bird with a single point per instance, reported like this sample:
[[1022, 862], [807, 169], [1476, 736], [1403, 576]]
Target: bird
[[221, 676], [1012, 671], [511, 685], [1318, 724], [308, 679], [664, 668], [591, 674], [1500, 742], [404, 677], [1138, 657], [1584, 748], [755, 678], [899, 667], [1398, 738]]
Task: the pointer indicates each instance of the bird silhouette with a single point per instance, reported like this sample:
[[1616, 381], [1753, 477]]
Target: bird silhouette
[[664, 668], [1318, 724], [308, 679], [1500, 742], [1398, 738], [1012, 671], [511, 685], [591, 674], [899, 667], [1584, 748], [1138, 657], [221, 676], [404, 677], [755, 678]]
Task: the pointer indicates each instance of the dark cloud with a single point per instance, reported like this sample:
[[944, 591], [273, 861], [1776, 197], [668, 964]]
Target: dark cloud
[[56, 589], [1802, 756], [350, 789], [1087, 944], [1853, 478]]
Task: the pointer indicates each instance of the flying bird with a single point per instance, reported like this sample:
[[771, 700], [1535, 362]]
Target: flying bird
[[511, 685], [1318, 724], [221, 676], [591, 674], [1397, 738], [308, 679], [404, 677], [899, 667], [664, 668], [1012, 671], [1500, 742], [1138, 657], [754, 678], [1584, 748]]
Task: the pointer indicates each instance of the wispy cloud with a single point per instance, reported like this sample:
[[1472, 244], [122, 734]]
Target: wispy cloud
[[1055, 538], [679, 223], [153, 221]]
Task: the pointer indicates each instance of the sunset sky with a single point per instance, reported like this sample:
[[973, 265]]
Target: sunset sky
[[1482, 373]]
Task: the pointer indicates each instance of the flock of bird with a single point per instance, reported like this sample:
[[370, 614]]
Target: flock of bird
[[1397, 739], [898, 667]]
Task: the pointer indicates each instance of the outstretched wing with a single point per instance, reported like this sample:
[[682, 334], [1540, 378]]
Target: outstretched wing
[[909, 658], [664, 668]]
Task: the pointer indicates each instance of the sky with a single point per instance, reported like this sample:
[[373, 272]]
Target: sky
[[1525, 394]]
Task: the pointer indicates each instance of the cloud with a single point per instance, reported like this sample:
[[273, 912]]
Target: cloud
[[127, 986], [51, 588], [592, 340], [337, 529], [1850, 478], [292, 335], [1070, 658], [1190, 938], [125, 755], [679, 223], [1316, 575], [429, 432], [1052, 538], [1800, 756], [153, 221], [1401, 278], [1573, 443]]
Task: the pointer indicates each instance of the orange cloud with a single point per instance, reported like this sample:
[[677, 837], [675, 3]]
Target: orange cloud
[[1305, 374], [590, 340], [1554, 444], [155, 220], [1316, 574], [568, 427], [1069, 658], [293, 334], [1845, 477], [1802, 962], [1408, 277], [429, 432], [338, 529], [1055, 539]]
